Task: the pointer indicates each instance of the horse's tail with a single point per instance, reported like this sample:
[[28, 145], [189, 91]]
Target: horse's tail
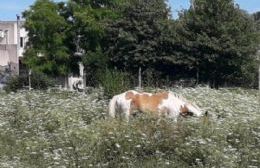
[[112, 107]]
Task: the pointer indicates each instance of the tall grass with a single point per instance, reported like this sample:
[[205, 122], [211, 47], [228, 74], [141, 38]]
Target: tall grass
[[114, 82], [63, 129]]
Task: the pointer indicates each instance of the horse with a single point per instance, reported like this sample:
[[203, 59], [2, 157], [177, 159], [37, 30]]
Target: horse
[[160, 104]]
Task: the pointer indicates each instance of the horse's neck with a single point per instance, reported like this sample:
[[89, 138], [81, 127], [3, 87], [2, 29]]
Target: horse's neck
[[176, 102]]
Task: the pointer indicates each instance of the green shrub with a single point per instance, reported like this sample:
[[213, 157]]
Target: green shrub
[[114, 82], [41, 81], [14, 83], [38, 81]]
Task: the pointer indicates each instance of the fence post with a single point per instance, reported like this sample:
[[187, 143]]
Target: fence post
[[140, 78], [30, 83], [259, 77]]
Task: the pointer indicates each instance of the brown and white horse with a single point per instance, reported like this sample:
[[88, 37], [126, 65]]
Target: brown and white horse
[[161, 104]]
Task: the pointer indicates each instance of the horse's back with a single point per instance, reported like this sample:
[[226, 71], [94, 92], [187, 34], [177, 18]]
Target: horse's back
[[143, 101]]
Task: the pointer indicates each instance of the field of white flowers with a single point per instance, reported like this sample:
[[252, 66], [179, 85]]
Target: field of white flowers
[[69, 129]]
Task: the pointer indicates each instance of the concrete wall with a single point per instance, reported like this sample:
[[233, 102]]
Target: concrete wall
[[8, 57], [10, 44], [10, 29]]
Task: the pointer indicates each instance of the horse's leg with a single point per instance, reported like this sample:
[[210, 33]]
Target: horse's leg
[[173, 115], [127, 115], [160, 115], [112, 107], [126, 110]]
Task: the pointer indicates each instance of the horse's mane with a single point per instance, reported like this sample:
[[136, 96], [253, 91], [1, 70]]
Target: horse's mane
[[178, 96], [183, 99]]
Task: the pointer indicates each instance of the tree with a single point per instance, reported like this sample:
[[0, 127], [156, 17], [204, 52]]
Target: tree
[[46, 50], [256, 17], [257, 20], [133, 40], [218, 39], [87, 21], [60, 31]]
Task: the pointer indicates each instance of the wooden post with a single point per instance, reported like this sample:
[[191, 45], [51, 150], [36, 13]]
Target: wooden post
[[30, 74], [140, 78], [66, 85], [259, 77]]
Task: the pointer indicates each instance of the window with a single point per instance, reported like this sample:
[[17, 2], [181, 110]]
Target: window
[[21, 41]]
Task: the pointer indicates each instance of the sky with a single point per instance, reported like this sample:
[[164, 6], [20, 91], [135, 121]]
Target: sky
[[9, 8]]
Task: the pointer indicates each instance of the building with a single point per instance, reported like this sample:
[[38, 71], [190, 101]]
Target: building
[[13, 38]]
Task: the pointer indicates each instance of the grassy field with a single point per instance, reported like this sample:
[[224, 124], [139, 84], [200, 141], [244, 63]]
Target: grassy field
[[63, 129]]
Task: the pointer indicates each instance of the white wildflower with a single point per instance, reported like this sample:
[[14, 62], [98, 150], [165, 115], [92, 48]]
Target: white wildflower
[[117, 145]]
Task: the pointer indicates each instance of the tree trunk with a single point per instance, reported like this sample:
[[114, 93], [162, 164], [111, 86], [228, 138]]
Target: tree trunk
[[217, 81], [82, 74], [197, 76]]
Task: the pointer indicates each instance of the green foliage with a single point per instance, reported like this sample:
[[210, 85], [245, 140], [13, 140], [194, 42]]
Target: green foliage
[[134, 39], [215, 42], [257, 19], [95, 65], [95, 62], [38, 81], [114, 82], [41, 81], [87, 21], [46, 51], [219, 40], [14, 83]]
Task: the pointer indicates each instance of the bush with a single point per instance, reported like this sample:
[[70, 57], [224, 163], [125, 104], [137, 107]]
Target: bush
[[13, 84], [41, 81], [114, 82], [38, 81]]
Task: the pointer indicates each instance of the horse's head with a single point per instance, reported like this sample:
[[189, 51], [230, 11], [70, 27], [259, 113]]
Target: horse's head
[[189, 109], [185, 107]]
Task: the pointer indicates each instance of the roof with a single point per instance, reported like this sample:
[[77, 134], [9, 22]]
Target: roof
[[11, 22]]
